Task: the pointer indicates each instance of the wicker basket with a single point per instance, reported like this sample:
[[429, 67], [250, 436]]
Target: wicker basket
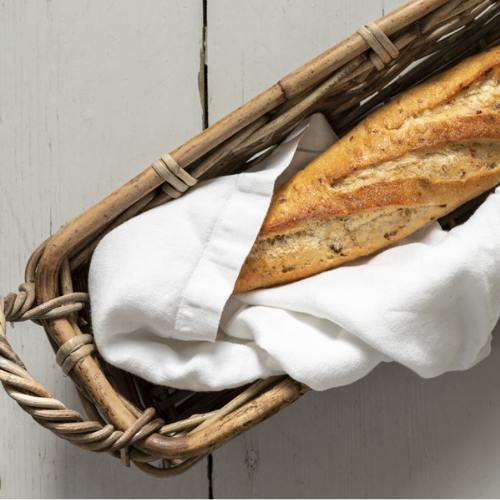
[[138, 421]]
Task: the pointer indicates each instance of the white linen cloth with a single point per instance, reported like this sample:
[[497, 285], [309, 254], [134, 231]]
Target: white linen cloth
[[160, 289]]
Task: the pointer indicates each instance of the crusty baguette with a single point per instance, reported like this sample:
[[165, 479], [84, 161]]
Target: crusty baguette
[[415, 159]]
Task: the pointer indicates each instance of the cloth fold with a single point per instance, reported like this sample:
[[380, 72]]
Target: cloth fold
[[160, 288]]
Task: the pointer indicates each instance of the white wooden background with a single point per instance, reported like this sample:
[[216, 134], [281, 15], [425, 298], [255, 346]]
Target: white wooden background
[[90, 93]]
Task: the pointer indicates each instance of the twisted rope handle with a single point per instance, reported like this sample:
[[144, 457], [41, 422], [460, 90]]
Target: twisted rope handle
[[94, 434], [18, 307], [51, 413]]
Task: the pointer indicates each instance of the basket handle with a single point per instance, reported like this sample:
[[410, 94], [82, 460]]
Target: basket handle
[[50, 413], [95, 434]]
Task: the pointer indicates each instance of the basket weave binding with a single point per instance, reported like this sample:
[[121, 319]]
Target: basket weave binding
[[137, 421]]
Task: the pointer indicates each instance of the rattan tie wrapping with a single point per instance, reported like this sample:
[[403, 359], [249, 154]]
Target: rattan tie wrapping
[[383, 49], [74, 350], [177, 179]]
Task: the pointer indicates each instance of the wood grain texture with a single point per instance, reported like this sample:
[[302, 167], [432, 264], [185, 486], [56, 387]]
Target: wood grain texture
[[92, 92]]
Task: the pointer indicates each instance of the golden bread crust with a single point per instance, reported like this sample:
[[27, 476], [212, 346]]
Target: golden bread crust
[[393, 159]]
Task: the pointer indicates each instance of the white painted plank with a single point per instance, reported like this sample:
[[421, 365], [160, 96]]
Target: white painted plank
[[91, 93], [253, 44], [391, 434]]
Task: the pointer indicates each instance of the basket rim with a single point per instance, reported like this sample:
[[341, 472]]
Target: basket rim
[[45, 265]]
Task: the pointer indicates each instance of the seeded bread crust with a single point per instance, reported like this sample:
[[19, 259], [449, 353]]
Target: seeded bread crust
[[415, 159]]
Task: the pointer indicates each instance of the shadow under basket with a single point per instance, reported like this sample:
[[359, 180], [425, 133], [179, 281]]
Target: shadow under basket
[[135, 420]]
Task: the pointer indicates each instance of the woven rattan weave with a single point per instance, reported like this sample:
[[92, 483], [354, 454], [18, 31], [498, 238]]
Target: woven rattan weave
[[135, 420]]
